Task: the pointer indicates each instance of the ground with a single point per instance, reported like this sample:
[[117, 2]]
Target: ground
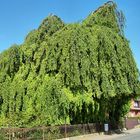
[[133, 134]]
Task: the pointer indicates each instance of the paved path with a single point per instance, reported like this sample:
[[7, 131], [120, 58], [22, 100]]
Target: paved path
[[133, 134]]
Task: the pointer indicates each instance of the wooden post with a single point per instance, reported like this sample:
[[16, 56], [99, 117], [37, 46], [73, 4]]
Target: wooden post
[[83, 129], [43, 134], [65, 128], [9, 135]]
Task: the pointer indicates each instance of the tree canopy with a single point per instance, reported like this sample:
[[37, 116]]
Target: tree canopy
[[80, 72]]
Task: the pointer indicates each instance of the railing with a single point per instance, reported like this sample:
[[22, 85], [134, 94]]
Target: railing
[[50, 132]]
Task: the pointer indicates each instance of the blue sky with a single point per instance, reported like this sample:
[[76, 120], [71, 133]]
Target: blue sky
[[18, 17]]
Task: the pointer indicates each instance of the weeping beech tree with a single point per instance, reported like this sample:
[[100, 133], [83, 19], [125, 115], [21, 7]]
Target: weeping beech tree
[[78, 73]]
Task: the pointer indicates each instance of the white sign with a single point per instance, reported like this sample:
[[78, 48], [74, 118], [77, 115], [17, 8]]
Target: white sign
[[106, 127]]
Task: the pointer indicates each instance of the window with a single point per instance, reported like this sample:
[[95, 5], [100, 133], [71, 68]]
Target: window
[[136, 104]]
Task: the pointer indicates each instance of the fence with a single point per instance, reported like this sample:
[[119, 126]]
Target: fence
[[132, 122], [50, 132]]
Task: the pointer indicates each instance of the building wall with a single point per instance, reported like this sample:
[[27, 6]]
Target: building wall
[[134, 113], [135, 108]]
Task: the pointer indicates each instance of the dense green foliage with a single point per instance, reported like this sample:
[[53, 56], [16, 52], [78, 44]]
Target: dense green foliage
[[78, 73]]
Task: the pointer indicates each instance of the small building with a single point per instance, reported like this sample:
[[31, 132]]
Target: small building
[[135, 108], [132, 120]]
